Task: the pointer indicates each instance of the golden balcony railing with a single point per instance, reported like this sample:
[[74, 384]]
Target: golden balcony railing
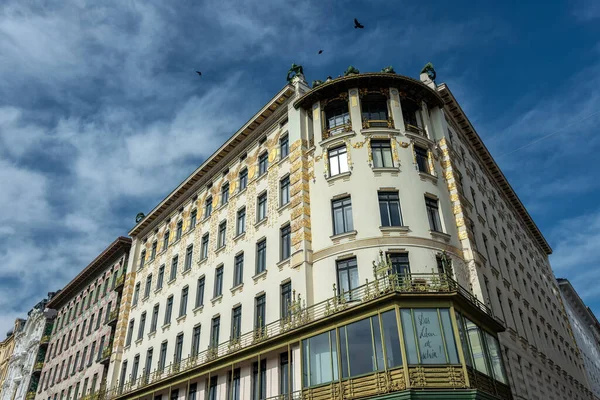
[[45, 339], [120, 282], [336, 130], [299, 315], [37, 367], [113, 316], [415, 129], [30, 396], [106, 353], [378, 123]]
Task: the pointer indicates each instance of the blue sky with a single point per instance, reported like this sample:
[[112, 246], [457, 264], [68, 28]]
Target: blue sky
[[102, 114]]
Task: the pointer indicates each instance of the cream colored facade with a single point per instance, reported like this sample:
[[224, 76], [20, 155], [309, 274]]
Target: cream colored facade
[[401, 144], [6, 350]]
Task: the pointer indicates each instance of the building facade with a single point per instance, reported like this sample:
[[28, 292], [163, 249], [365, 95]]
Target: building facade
[[27, 360], [78, 352], [331, 249], [586, 330], [6, 350]]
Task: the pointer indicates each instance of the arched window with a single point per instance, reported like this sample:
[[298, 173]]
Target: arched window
[[337, 118]]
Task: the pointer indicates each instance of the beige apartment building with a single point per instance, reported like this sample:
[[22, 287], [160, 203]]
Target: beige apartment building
[[354, 239]]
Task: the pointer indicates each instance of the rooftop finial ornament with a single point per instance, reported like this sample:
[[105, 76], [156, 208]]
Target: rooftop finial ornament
[[351, 71], [388, 70], [429, 70], [139, 217], [294, 71]]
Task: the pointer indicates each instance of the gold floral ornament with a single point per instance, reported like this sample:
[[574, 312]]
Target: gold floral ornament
[[369, 152], [251, 163], [349, 155], [325, 165], [273, 154], [395, 155]]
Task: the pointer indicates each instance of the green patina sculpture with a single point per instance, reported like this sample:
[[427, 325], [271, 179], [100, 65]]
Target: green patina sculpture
[[316, 83], [429, 70], [388, 70], [139, 217], [295, 70], [351, 71]]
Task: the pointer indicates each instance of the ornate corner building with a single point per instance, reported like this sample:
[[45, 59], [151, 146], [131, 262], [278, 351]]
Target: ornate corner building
[[25, 365], [351, 240], [75, 354], [6, 350]]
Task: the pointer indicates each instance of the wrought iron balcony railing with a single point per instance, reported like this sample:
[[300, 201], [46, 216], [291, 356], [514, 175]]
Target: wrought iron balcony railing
[[378, 123], [336, 130]]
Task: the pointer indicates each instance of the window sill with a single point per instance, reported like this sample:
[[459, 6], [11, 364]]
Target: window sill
[[390, 131], [222, 206], [152, 334], [262, 176], [334, 139], [237, 288], [440, 235], [181, 318], [239, 192], [427, 176], [157, 290], [481, 219], [145, 298], [203, 220], [381, 170], [198, 310], [389, 229], [261, 222], [134, 306], [282, 160], [220, 249], [261, 275], [349, 234], [217, 300], [419, 138], [163, 251], [343, 175], [176, 241], [284, 263], [138, 341], [186, 271], [202, 260], [166, 327], [190, 230], [283, 207], [169, 283], [239, 236]]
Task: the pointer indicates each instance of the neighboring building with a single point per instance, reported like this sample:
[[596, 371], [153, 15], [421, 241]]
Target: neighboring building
[[6, 350], [340, 245], [27, 360], [81, 343], [586, 330]]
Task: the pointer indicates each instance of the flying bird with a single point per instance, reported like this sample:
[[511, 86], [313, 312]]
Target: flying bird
[[320, 51], [358, 24], [199, 73]]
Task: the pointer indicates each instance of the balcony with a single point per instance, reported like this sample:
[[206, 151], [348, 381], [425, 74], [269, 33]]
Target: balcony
[[105, 356], [378, 123], [336, 130], [413, 129], [120, 282], [37, 367], [45, 340], [30, 396], [113, 317]]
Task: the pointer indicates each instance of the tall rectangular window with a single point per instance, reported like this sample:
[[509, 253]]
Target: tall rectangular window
[[221, 240], [284, 148], [212, 388], [381, 151], [260, 303], [261, 209], [238, 270], [83, 357], [236, 322], [284, 374], [178, 349], [208, 207], [433, 214], [400, 263], [200, 292], [259, 380], [121, 381], [179, 230], [142, 261], [389, 209], [214, 331], [91, 324], [286, 299], [241, 221], [162, 357], [98, 321], [148, 364], [161, 277], [233, 387], [193, 218], [218, 282], [286, 242], [225, 193], [188, 257], [141, 326], [154, 321], [422, 159], [342, 215], [193, 391], [184, 300], [261, 256], [284, 191], [166, 240], [243, 178], [338, 160], [263, 163], [136, 294], [347, 276], [168, 310], [204, 247], [174, 262], [148, 285], [196, 340], [129, 332]]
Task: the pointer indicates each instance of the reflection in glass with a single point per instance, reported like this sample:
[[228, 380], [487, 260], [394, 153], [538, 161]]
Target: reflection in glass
[[449, 336], [495, 357], [476, 347], [409, 336], [320, 356], [392, 341]]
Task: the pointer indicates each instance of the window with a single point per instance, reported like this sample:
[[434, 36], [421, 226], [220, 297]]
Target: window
[[179, 230], [141, 326], [286, 242], [261, 256], [389, 209], [260, 303], [174, 268], [154, 321], [320, 359], [134, 369], [225, 193], [188, 257], [74, 364], [218, 282], [136, 294], [361, 347], [208, 207], [148, 286], [169, 310], [432, 338], [174, 394], [263, 163], [238, 270], [214, 331], [261, 212], [381, 151], [129, 333], [284, 374], [421, 157], [284, 191], [193, 218], [433, 214], [83, 357], [196, 340], [204, 248], [200, 292], [259, 380], [161, 277], [178, 349], [400, 263], [347, 276], [142, 261], [184, 300], [121, 381], [286, 299], [243, 178], [241, 221], [236, 322], [100, 349], [222, 234], [233, 387], [338, 160], [192, 392], [98, 320], [337, 117], [148, 364], [374, 108], [409, 112], [162, 357], [284, 147], [342, 216], [212, 388], [166, 240]]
